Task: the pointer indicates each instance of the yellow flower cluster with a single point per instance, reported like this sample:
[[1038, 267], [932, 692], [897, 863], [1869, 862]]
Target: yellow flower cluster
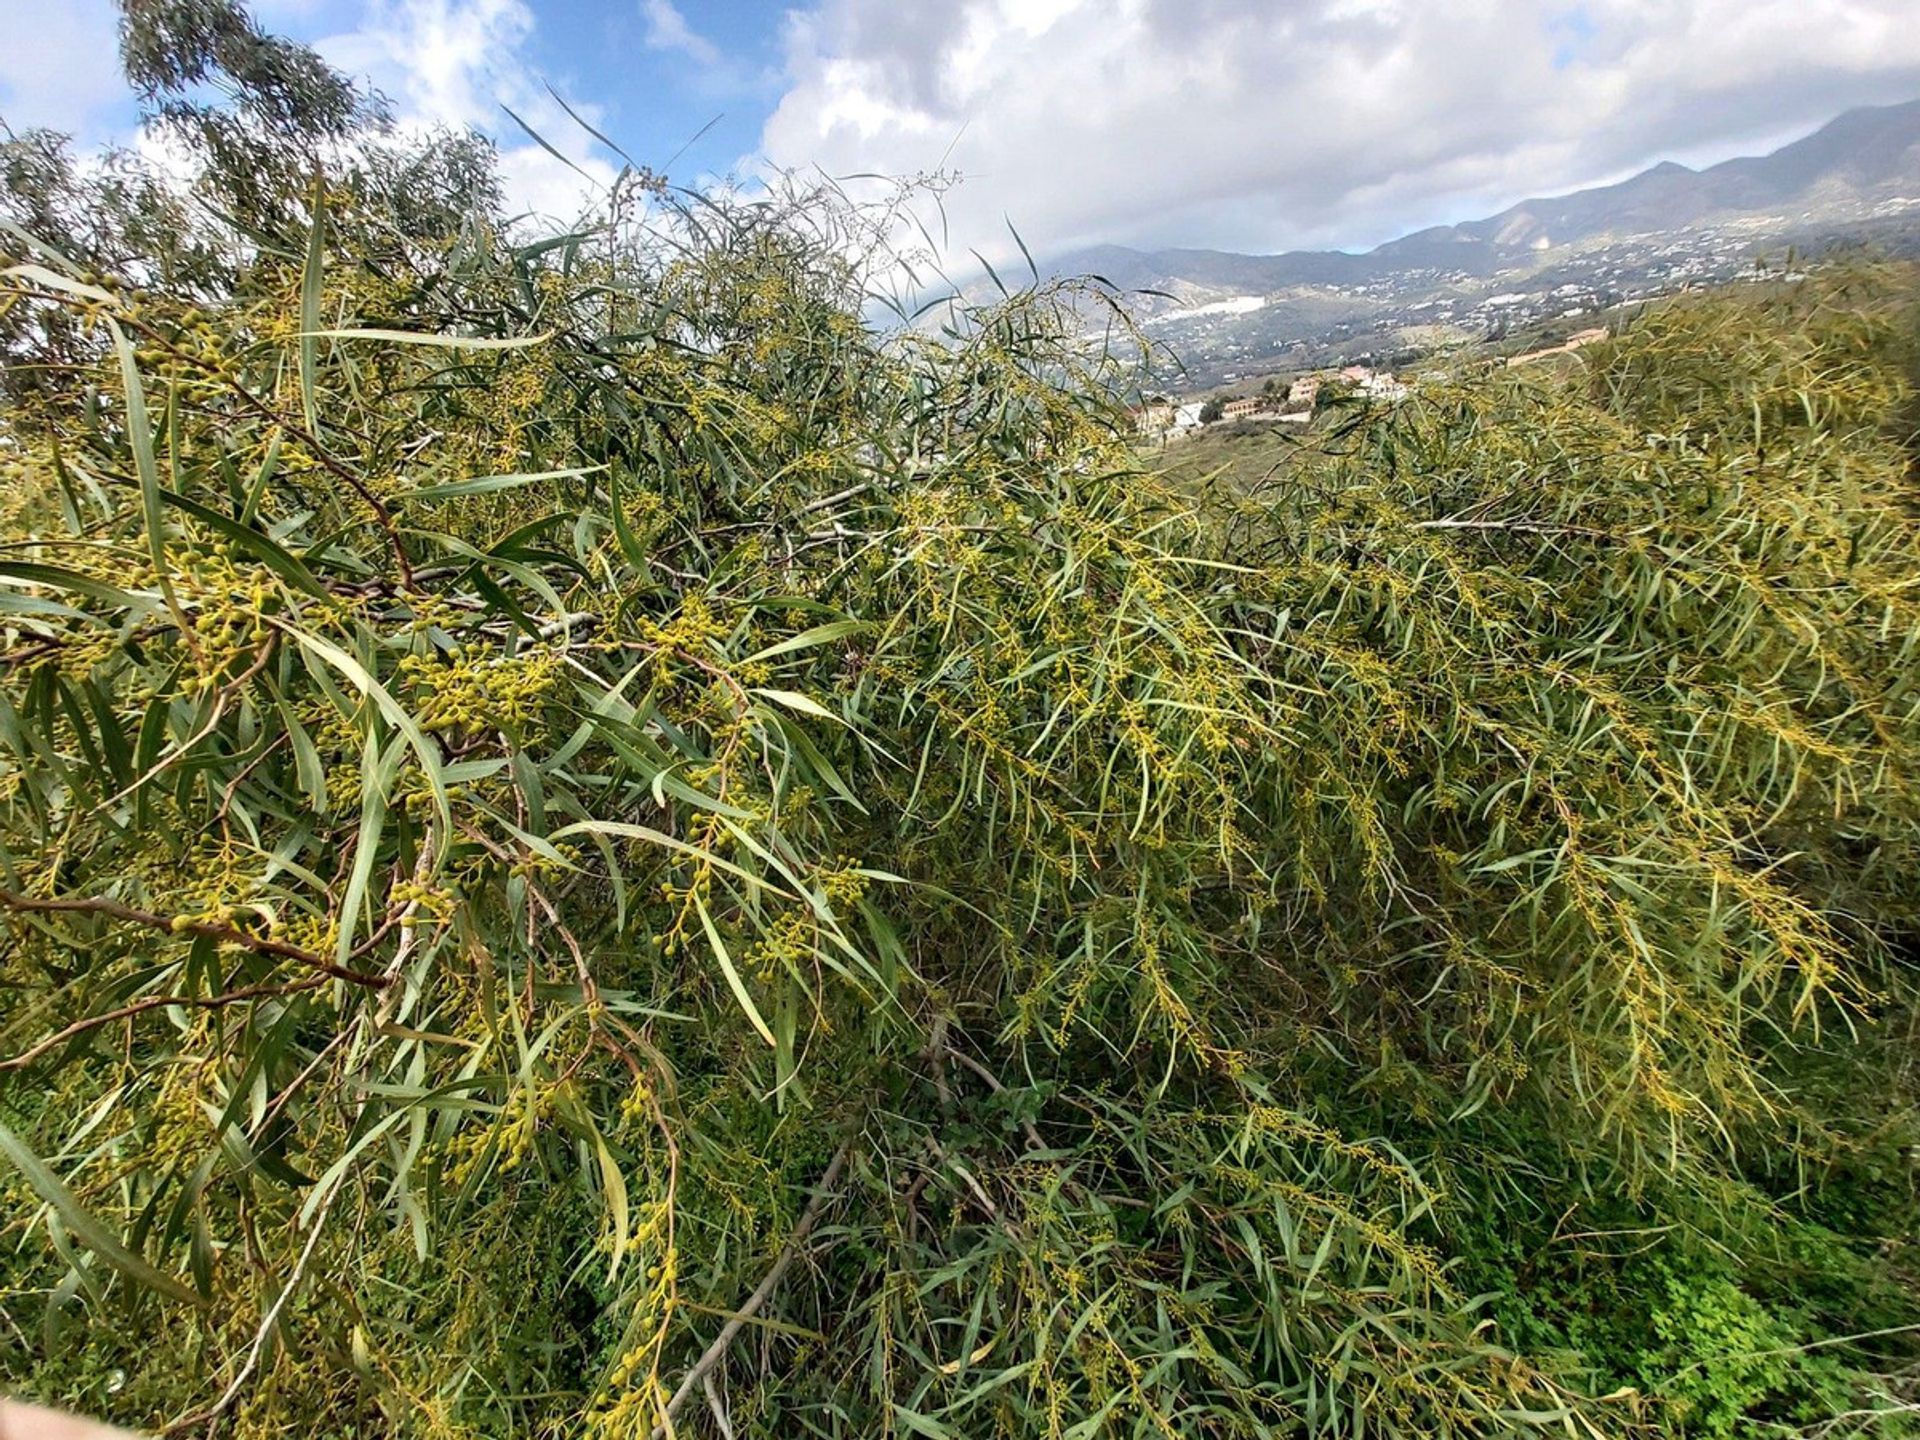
[[472, 690], [785, 947], [227, 607], [692, 632]]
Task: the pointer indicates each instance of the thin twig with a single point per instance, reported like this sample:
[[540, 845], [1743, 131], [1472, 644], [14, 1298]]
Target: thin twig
[[181, 751], [714, 1353], [183, 925], [960, 1057], [1518, 527], [267, 1322], [158, 1002], [719, 1410]]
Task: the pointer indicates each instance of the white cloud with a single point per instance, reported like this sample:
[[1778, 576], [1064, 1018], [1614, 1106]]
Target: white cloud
[[441, 62], [457, 63], [667, 29], [60, 67], [1255, 125]]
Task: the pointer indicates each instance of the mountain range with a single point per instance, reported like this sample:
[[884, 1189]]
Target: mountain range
[[1225, 314]]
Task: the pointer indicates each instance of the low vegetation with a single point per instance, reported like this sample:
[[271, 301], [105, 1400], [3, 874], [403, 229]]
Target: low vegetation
[[590, 844]]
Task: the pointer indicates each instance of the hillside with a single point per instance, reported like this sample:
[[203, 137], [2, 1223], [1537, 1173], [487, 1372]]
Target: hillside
[[1856, 178]]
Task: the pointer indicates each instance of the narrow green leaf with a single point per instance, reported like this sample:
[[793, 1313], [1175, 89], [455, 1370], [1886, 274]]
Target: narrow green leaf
[[307, 767], [541, 140], [793, 700], [614, 1184], [734, 982], [361, 680], [818, 635], [275, 557], [85, 1226], [56, 577], [311, 280], [622, 830], [483, 484], [53, 280], [140, 437]]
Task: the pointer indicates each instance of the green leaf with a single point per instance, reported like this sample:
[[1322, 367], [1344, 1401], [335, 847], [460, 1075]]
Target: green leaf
[[140, 437], [629, 543], [623, 830], [85, 1226], [53, 280], [818, 635], [357, 675], [55, 577], [275, 557], [541, 140], [309, 772], [734, 982], [35, 605], [483, 484], [793, 700], [614, 1184], [311, 280], [378, 771]]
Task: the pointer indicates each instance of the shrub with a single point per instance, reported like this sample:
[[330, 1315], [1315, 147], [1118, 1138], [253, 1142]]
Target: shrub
[[590, 843]]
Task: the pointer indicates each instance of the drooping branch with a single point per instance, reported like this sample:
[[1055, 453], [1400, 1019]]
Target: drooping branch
[[184, 925], [322, 456], [714, 1353], [1519, 527], [158, 1002]]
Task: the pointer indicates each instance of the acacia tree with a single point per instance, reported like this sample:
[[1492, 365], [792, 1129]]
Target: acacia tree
[[588, 844]]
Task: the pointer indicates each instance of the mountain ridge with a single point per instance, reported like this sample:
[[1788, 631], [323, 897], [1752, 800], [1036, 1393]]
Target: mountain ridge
[[1543, 261], [1864, 155]]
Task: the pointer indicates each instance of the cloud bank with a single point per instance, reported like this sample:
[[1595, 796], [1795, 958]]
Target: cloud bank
[[456, 63], [1250, 124]]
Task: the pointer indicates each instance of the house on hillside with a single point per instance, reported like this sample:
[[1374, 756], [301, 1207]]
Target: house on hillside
[[1241, 406], [1383, 388], [1304, 391]]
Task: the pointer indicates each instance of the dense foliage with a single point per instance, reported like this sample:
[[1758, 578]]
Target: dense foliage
[[590, 845]]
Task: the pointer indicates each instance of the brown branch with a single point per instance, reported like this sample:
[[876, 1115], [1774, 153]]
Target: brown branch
[[960, 1057], [715, 1352], [157, 1002], [182, 925], [35, 649]]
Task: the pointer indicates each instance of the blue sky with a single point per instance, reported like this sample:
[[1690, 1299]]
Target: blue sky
[[655, 99], [703, 98], [1236, 124]]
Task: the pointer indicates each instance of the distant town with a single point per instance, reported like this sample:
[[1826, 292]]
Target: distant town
[[1393, 322], [1534, 274]]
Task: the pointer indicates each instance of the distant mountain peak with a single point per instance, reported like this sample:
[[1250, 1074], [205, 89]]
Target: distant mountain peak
[[1863, 156], [1550, 258]]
